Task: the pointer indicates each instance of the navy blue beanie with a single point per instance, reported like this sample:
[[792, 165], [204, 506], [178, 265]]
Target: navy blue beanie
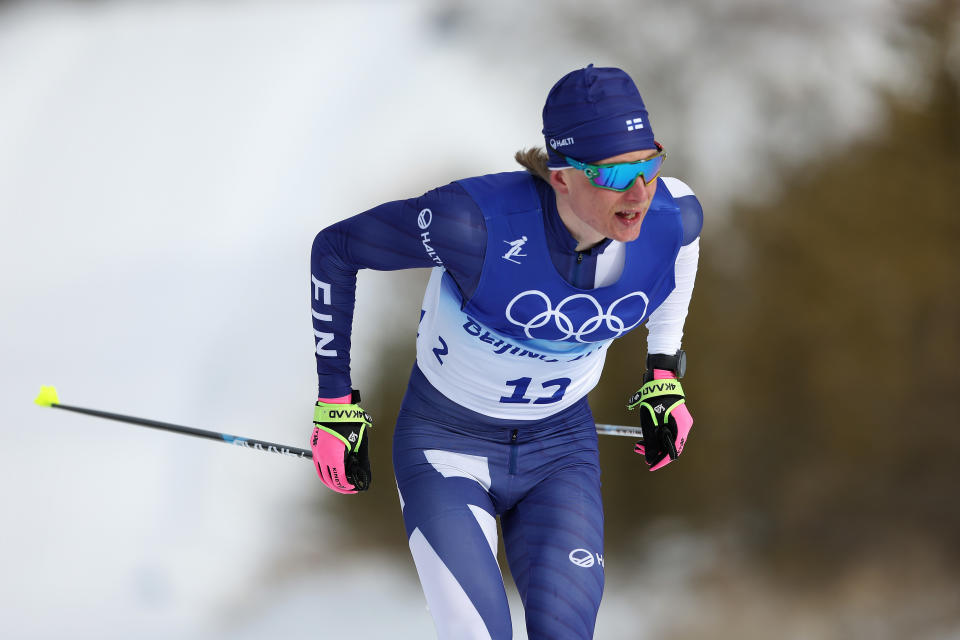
[[592, 114]]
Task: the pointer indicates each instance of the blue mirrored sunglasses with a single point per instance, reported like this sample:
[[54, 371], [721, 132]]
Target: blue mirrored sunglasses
[[620, 176]]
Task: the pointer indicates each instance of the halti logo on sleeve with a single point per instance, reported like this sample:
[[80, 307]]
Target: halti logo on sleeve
[[424, 218]]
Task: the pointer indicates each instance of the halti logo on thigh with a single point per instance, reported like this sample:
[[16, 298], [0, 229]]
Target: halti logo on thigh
[[581, 558]]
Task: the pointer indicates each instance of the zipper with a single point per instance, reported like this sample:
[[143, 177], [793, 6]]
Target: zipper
[[575, 276], [513, 452]]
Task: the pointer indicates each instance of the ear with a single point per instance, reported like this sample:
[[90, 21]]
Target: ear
[[558, 180]]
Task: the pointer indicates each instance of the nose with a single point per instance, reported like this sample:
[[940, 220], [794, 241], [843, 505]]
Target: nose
[[641, 192]]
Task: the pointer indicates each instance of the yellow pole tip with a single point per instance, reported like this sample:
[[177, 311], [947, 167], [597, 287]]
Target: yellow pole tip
[[47, 397]]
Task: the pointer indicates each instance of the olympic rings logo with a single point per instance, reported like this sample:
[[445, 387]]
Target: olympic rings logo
[[615, 325]]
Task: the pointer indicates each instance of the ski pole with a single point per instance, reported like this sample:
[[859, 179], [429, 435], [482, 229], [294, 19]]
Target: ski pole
[[619, 430], [48, 398]]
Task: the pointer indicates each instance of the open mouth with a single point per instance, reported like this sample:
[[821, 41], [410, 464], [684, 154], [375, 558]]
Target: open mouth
[[627, 215]]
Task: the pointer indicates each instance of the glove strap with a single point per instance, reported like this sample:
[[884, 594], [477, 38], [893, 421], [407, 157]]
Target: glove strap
[[346, 422], [675, 363], [336, 414], [653, 389]]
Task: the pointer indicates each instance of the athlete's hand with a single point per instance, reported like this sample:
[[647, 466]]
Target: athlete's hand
[[339, 444], [664, 419]]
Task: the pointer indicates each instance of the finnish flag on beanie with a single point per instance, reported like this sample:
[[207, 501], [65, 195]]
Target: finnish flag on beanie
[[592, 114]]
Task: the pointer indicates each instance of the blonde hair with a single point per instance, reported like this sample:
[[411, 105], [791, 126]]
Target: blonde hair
[[534, 160]]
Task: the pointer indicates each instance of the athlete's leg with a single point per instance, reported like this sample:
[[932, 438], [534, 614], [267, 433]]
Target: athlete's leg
[[554, 543], [452, 532]]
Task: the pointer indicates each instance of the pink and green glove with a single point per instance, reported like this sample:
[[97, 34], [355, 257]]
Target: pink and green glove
[[339, 443], [664, 419]]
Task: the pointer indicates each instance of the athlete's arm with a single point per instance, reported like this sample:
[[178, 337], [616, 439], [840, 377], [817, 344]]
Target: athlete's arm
[[444, 227], [665, 325]]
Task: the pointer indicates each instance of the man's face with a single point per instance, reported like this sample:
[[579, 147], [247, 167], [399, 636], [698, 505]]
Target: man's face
[[601, 213]]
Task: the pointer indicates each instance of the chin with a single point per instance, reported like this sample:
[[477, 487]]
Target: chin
[[627, 233]]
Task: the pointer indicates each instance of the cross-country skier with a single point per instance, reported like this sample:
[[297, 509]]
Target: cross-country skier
[[535, 273]]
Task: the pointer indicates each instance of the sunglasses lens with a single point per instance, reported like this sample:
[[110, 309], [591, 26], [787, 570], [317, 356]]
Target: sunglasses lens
[[621, 177]]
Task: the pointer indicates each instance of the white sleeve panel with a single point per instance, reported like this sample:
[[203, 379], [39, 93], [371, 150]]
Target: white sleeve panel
[[677, 188], [665, 326]]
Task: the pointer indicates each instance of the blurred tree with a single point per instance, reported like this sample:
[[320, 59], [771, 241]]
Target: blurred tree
[[824, 340]]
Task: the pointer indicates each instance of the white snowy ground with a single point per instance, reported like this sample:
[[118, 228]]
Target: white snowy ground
[[163, 169]]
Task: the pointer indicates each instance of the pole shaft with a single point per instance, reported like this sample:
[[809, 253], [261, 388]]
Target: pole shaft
[[619, 430], [249, 443], [263, 445]]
